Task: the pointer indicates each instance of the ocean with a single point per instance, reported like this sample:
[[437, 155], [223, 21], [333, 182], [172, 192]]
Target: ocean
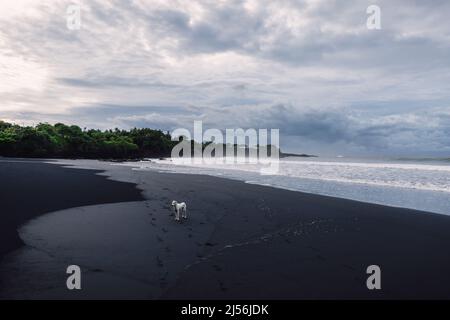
[[422, 184]]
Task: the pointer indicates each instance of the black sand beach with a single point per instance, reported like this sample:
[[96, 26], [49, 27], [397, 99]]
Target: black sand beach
[[244, 241], [29, 188]]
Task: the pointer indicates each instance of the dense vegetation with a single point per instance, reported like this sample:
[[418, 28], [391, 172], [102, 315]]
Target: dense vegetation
[[62, 141]]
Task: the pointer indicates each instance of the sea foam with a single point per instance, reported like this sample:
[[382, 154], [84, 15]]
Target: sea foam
[[421, 186]]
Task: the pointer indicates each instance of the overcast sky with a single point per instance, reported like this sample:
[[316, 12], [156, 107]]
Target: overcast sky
[[310, 68]]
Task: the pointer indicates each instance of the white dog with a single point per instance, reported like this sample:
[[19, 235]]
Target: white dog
[[179, 207]]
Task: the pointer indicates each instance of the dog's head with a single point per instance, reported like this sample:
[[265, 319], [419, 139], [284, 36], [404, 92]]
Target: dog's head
[[174, 203]]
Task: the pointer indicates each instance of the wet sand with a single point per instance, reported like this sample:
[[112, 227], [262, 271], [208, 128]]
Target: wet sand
[[240, 241], [30, 188]]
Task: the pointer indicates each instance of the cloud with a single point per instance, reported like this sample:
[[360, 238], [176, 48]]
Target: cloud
[[108, 82], [308, 67]]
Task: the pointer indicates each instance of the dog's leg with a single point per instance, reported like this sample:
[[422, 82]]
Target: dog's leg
[[184, 213], [177, 214]]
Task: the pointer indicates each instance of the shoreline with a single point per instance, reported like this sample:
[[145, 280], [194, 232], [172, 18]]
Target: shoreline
[[258, 242], [393, 195], [32, 187]]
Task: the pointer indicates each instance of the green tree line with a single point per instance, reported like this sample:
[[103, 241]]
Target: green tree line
[[63, 141]]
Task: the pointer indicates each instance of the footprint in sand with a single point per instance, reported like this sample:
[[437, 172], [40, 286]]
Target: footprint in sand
[[164, 276], [159, 239], [217, 268], [222, 287], [312, 248], [348, 267], [319, 257], [164, 230], [159, 262]]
